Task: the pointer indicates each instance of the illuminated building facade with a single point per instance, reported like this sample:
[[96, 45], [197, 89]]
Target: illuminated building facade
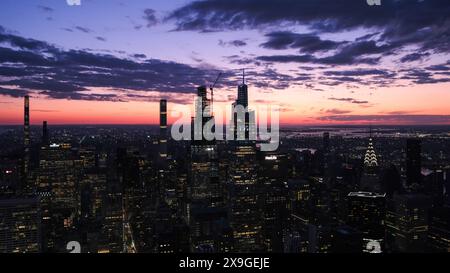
[[245, 199], [366, 213], [407, 222], [273, 173], [20, 225], [60, 169], [205, 211], [163, 130]]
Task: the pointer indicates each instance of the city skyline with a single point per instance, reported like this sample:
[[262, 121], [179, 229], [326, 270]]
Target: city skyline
[[82, 66], [219, 134], [129, 190]]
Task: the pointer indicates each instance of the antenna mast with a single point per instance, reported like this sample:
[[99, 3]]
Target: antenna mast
[[211, 88]]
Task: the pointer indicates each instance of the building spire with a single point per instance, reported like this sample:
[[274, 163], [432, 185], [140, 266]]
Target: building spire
[[370, 159]]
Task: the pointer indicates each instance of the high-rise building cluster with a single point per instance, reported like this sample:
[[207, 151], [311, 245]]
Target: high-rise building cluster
[[132, 189]]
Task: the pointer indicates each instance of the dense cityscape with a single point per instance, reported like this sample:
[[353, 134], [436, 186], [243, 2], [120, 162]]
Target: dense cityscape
[[133, 189], [224, 135]]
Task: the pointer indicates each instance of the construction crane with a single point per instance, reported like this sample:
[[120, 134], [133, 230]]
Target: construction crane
[[211, 88]]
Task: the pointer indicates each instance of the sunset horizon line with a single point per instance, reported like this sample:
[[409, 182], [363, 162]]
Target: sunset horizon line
[[281, 124]]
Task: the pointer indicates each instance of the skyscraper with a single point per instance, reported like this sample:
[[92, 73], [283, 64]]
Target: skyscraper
[[243, 119], [242, 98], [202, 116], [439, 230], [272, 181], [245, 196], [162, 130], [407, 219], [20, 225], [370, 177], [205, 212], [370, 158], [366, 212], [326, 142], [45, 138], [413, 161], [391, 181], [26, 138], [56, 183]]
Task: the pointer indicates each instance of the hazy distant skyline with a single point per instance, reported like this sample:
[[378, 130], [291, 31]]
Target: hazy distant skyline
[[321, 61]]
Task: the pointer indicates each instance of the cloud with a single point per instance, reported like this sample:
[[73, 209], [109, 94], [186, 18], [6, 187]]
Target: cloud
[[358, 52], [308, 43], [395, 25], [23, 43], [350, 100], [322, 15], [156, 97], [400, 112], [360, 101], [239, 14], [357, 72], [12, 92], [241, 60], [339, 59], [83, 29], [439, 67], [423, 76], [235, 43], [414, 57], [49, 71], [362, 53], [102, 39], [150, 17], [362, 76], [390, 119], [45, 8], [136, 26], [337, 111], [139, 56]]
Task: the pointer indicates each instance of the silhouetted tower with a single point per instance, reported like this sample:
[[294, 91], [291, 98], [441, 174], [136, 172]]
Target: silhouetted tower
[[391, 181], [370, 158], [45, 138], [163, 129], [326, 142], [242, 98], [241, 127], [26, 137], [413, 161], [203, 94], [203, 114], [204, 210]]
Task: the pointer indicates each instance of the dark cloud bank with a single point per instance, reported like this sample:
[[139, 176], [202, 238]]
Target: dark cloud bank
[[395, 24], [66, 74], [29, 64]]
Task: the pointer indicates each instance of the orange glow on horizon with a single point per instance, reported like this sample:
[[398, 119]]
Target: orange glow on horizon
[[298, 107]]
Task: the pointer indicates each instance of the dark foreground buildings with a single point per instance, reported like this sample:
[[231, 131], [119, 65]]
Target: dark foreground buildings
[[131, 189]]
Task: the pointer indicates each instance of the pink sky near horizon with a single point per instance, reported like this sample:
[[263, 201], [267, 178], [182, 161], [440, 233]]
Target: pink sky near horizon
[[298, 106]]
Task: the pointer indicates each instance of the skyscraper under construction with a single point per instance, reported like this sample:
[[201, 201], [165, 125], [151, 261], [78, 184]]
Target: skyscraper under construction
[[205, 210]]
